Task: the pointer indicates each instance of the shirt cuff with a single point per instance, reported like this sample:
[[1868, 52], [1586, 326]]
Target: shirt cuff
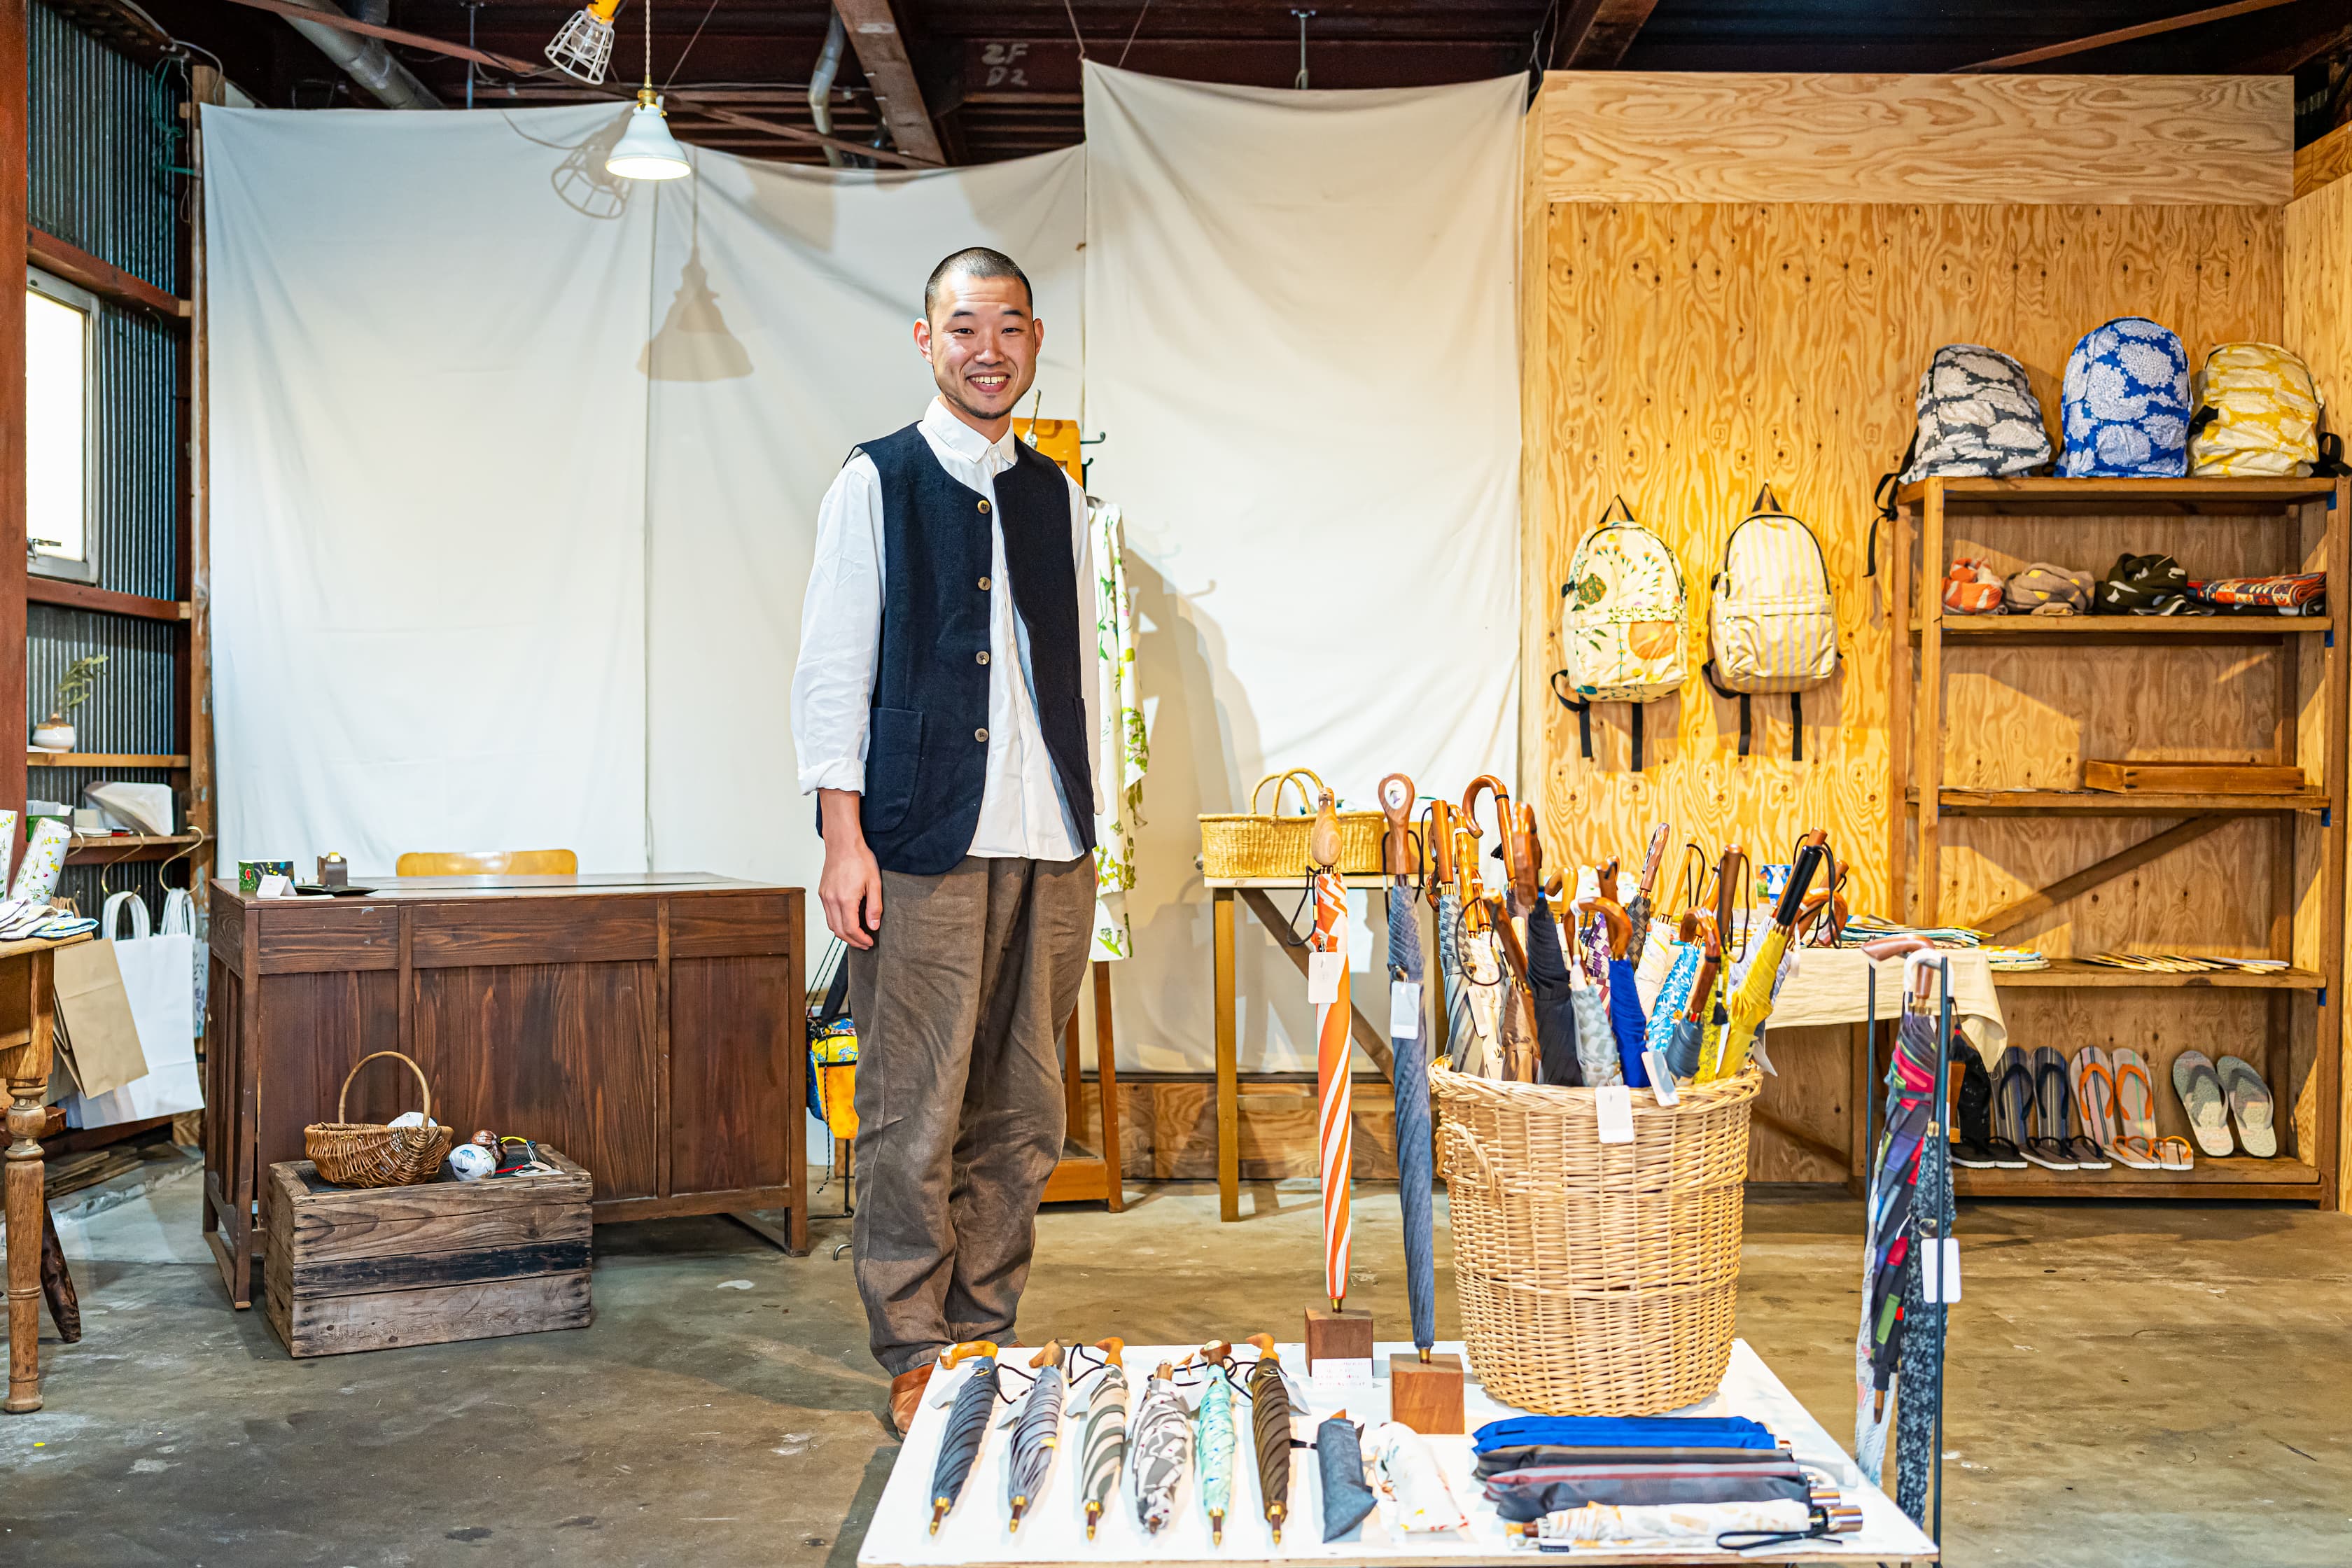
[[848, 774]]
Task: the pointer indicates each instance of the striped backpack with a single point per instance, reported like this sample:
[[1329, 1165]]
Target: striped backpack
[[2124, 406], [1620, 625], [2257, 412], [1773, 625]]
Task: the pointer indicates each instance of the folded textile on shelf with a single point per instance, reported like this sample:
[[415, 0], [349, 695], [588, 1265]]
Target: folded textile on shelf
[[1863, 930], [2288, 593], [1595, 1524], [1520, 1496], [1624, 1432]]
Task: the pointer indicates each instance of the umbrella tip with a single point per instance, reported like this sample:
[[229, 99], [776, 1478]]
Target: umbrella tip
[[939, 1512], [1424, 1353], [1216, 1526], [1015, 1523]]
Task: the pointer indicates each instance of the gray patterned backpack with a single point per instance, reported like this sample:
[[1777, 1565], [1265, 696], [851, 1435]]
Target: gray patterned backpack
[[1978, 419]]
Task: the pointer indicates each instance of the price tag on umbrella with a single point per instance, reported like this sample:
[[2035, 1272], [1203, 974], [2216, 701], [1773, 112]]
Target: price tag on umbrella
[[1614, 1104], [1324, 971], [1939, 1271], [1404, 1010]]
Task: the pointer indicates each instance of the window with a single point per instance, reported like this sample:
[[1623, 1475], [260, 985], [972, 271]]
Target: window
[[59, 319]]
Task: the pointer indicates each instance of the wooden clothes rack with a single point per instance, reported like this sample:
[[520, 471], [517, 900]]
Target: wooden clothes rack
[[2296, 524]]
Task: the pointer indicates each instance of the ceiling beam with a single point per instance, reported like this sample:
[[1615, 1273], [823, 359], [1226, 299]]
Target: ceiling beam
[[1597, 33], [2123, 34], [882, 50], [532, 69]]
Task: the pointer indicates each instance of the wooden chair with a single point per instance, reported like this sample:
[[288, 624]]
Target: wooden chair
[[489, 863]]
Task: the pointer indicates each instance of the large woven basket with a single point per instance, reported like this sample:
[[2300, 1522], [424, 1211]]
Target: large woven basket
[[369, 1154], [1255, 844], [1595, 1278]]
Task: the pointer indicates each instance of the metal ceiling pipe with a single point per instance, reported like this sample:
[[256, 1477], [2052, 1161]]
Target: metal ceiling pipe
[[364, 59], [820, 89]]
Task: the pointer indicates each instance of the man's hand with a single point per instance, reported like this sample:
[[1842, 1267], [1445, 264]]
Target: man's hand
[[851, 888]]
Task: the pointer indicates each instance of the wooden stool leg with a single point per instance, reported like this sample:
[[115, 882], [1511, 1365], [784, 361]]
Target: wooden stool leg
[[56, 1284], [1106, 1080], [24, 1206]]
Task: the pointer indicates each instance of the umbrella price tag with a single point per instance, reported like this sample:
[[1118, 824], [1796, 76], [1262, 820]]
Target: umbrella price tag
[[1324, 972], [1939, 1271], [1404, 1010], [1614, 1104]]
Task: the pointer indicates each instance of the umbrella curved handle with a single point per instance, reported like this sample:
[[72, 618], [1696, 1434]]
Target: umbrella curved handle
[[1505, 825], [955, 1355], [1657, 856], [1437, 834], [1396, 805], [1113, 1349]]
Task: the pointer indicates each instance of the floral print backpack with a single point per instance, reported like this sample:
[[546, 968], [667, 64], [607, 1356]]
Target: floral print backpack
[[1621, 624], [2124, 405], [2257, 412]]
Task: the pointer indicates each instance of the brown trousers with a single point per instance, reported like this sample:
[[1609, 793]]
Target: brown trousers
[[959, 1006]]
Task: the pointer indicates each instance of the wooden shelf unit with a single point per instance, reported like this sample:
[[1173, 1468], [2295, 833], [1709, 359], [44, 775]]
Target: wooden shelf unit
[[2308, 516]]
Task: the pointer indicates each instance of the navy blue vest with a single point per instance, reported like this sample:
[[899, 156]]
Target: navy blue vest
[[926, 747]]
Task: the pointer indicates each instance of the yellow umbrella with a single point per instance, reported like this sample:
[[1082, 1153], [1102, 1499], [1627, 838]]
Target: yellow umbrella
[[1751, 1004]]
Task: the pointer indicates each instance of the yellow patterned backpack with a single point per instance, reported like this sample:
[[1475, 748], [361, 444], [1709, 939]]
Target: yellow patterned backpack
[[2258, 414]]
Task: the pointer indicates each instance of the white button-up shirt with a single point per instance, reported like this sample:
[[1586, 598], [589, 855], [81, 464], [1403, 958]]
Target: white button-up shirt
[[1021, 812]]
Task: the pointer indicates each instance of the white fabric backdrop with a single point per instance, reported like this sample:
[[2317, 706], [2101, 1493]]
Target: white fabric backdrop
[[1301, 347], [427, 484], [516, 469]]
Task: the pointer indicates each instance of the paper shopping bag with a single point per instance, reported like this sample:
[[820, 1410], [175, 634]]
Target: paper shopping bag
[[103, 1035]]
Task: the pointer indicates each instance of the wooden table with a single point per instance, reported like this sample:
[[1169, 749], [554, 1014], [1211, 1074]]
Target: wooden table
[[27, 1041], [1253, 891], [652, 1027]]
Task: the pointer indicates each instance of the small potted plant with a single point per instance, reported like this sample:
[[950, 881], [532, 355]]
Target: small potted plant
[[55, 732]]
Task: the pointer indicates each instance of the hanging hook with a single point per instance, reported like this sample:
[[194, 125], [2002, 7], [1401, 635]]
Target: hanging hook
[[1301, 83]]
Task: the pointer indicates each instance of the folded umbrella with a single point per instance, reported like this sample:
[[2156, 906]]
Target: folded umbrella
[[1037, 1434], [1215, 1442], [1408, 1054], [1405, 1474], [1624, 1432], [1339, 1461], [967, 1424], [1270, 1425], [1106, 1437], [1638, 912], [1161, 1440], [1551, 998], [1686, 1051]]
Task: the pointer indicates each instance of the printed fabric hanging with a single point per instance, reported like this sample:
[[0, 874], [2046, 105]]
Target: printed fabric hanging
[[1123, 751]]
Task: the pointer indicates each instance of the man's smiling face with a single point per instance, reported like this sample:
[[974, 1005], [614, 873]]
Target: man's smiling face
[[982, 343]]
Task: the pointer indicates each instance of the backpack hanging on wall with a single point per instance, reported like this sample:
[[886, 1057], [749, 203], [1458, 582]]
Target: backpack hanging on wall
[[1773, 625], [1621, 624], [2257, 412], [2125, 404], [1977, 418]]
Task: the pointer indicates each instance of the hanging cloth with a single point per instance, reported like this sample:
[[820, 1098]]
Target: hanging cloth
[[1123, 751]]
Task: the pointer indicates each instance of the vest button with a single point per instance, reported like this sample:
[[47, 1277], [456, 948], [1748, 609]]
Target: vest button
[[983, 585], [982, 656], [984, 506], [980, 735]]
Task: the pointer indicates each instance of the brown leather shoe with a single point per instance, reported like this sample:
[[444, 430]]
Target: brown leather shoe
[[907, 1395]]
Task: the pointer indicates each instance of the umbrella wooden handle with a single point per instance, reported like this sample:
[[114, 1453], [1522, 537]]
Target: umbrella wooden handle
[[1531, 857], [1801, 879], [1504, 825], [956, 1354], [1323, 838], [1658, 837], [1437, 833], [1728, 877], [1396, 805], [1605, 878], [1113, 1349]]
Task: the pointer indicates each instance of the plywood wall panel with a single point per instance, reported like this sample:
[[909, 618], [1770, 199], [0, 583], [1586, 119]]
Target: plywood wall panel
[[1999, 141]]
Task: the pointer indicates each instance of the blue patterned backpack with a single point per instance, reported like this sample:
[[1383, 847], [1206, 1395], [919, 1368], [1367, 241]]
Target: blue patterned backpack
[[2125, 404]]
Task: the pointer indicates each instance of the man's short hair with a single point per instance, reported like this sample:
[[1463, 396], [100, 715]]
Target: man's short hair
[[974, 261]]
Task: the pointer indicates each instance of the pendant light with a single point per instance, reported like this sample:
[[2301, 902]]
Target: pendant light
[[647, 151], [584, 46]]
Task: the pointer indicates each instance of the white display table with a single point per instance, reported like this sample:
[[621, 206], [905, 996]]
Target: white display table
[[1054, 1532]]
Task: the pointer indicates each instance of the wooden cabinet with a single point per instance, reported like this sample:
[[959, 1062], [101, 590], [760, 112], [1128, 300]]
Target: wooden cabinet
[[651, 1027]]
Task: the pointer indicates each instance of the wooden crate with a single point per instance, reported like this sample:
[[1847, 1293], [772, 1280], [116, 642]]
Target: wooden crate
[[358, 1268]]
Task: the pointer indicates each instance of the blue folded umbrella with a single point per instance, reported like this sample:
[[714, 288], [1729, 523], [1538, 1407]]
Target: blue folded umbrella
[[1625, 1018], [1625, 1432]]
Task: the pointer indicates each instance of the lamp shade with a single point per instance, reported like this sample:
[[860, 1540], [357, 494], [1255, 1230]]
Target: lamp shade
[[647, 151]]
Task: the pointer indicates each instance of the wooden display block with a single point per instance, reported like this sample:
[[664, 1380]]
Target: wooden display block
[[1343, 1338], [2196, 778], [1426, 1395], [364, 1268]]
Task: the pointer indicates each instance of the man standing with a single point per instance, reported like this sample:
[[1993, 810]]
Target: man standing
[[943, 715]]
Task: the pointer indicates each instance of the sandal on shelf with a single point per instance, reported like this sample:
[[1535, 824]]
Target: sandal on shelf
[[2047, 1147], [2250, 1106], [2173, 1154], [2095, 1100], [2135, 1109], [2013, 1109], [2083, 1144], [1973, 1115], [2200, 1088]]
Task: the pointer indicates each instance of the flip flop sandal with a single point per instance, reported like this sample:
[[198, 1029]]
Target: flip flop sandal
[[2200, 1088], [2088, 1145], [2172, 1154], [2099, 1090], [2250, 1106], [2135, 1096], [1973, 1148], [2094, 1094], [2047, 1147], [2012, 1098]]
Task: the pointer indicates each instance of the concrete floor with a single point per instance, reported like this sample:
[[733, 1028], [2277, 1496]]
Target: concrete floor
[[2131, 1384]]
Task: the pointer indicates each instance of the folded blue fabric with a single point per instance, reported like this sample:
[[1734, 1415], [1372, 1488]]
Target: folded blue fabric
[[1625, 1432]]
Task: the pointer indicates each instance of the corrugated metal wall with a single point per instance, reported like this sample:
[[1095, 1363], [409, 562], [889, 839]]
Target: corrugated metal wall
[[102, 144]]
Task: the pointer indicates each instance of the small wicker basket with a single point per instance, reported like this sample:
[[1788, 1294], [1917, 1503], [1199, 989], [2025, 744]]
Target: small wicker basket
[[1595, 1278], [1251, 844], [369, 1154]]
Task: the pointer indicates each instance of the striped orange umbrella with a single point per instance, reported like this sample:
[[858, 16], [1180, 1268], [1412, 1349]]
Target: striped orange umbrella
[[1335, 1132]]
